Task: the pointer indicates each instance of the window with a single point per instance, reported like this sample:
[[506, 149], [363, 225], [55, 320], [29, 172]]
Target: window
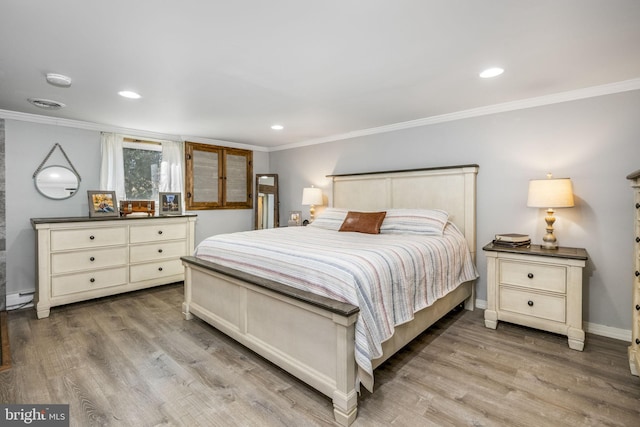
[[217, 177], [142, 161], [138, 170]]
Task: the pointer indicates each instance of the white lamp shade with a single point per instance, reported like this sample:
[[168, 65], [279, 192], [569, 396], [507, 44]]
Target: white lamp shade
[[550, 193], [312, 196]]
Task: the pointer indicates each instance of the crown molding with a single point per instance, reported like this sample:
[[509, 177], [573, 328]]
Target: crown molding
[[79, 124], [573, 95], [590, 92]]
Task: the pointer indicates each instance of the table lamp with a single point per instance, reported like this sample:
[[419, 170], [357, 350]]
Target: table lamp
[[312, 196], [550, 193]]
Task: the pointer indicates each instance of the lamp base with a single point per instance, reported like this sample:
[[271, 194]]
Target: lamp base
[[549, 239]]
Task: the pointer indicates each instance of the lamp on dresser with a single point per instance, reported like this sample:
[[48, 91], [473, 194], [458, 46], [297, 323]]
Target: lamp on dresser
[[312, 196], [550, 193]]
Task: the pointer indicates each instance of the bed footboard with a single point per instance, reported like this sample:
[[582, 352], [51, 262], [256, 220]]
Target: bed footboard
[[274, 321]]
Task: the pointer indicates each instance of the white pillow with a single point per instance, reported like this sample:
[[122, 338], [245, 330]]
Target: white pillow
[[414, 221], [330, 219]]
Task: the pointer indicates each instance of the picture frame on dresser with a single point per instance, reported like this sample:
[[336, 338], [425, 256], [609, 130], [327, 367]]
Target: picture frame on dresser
[[102, 203], [170, 203]]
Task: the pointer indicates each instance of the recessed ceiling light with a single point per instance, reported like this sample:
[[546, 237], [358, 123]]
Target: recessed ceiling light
[[491, 72], [47, 104], [277, 127], [129, 94], [58, 80]]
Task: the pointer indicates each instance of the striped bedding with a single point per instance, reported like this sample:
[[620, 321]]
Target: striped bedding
[[389, 277]]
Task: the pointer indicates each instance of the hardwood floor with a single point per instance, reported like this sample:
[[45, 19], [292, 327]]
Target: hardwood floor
[[131, 360]]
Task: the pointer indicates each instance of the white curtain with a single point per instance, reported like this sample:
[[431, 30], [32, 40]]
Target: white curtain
[[171, 175], [112, 167]]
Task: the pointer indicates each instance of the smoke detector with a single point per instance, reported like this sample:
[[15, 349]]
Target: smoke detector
[[47, 104], [58, 80]]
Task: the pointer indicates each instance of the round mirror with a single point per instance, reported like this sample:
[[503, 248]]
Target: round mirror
[[57, 182]]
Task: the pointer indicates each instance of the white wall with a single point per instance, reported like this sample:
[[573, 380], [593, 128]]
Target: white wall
[[595, 142], [26, 146]]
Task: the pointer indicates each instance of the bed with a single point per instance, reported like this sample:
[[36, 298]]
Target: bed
[[312, 336]]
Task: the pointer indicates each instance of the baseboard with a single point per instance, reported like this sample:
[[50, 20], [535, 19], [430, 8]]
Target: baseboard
[[25, 299], [607, 331], [592, 328], [20, 300]]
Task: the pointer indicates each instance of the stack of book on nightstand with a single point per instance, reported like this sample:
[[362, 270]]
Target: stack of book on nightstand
[[512, 240]]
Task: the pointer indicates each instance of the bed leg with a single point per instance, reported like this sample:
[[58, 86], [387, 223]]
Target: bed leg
[[345, 407], [185, 311]]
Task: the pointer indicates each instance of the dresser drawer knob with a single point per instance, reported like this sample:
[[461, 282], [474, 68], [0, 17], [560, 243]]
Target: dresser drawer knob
[[637, 341], [92, 259], [638, 307], [92, 280], [637, 205], [530, 275], [530, 303], [160, 232], [637, 239], [637, 273], [92, 237], [160, 251], [159, 268]]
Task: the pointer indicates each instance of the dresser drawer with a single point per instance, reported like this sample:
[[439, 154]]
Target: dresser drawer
[[156, 270], [62, 240], [67, 262], [157, 251], [543, 306], [157, 232], [536, 276], [87, 282]]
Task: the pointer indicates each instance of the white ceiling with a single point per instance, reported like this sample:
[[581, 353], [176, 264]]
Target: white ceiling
[[228, 70]]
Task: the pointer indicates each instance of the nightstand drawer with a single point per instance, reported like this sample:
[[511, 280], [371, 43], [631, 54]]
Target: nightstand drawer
[[535, 276], [543, 306]]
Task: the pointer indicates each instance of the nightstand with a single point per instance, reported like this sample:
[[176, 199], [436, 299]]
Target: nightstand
[[536, 287]]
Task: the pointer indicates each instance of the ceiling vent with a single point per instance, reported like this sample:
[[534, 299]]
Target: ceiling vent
[[47, 104]]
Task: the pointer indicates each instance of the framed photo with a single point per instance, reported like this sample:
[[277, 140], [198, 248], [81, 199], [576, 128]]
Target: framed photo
[[295, 218], [170, 203], [102, 204]]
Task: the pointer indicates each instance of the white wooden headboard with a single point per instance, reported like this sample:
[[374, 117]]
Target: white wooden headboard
[[450, 188]]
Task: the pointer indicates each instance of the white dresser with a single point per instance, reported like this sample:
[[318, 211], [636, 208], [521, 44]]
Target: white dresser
[[83, 258], [536, 287], [634, 348]]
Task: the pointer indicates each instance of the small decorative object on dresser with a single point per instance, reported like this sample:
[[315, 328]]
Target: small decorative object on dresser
[[102, 203], [170, 203], [294, 218], [137, 207], [634, 348], [535, 287]]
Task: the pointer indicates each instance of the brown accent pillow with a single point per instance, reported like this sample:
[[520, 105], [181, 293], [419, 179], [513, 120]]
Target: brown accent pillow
[[363, 222]]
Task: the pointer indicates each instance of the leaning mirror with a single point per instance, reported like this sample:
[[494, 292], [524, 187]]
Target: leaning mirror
[[56, 182], [267, 212]]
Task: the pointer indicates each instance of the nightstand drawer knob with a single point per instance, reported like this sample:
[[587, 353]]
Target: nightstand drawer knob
[[637, 205], [92, 259], [92, 280], [637, 341], [530, 303], [638, 307], [637, 239], [530, 275], [637, 273]]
